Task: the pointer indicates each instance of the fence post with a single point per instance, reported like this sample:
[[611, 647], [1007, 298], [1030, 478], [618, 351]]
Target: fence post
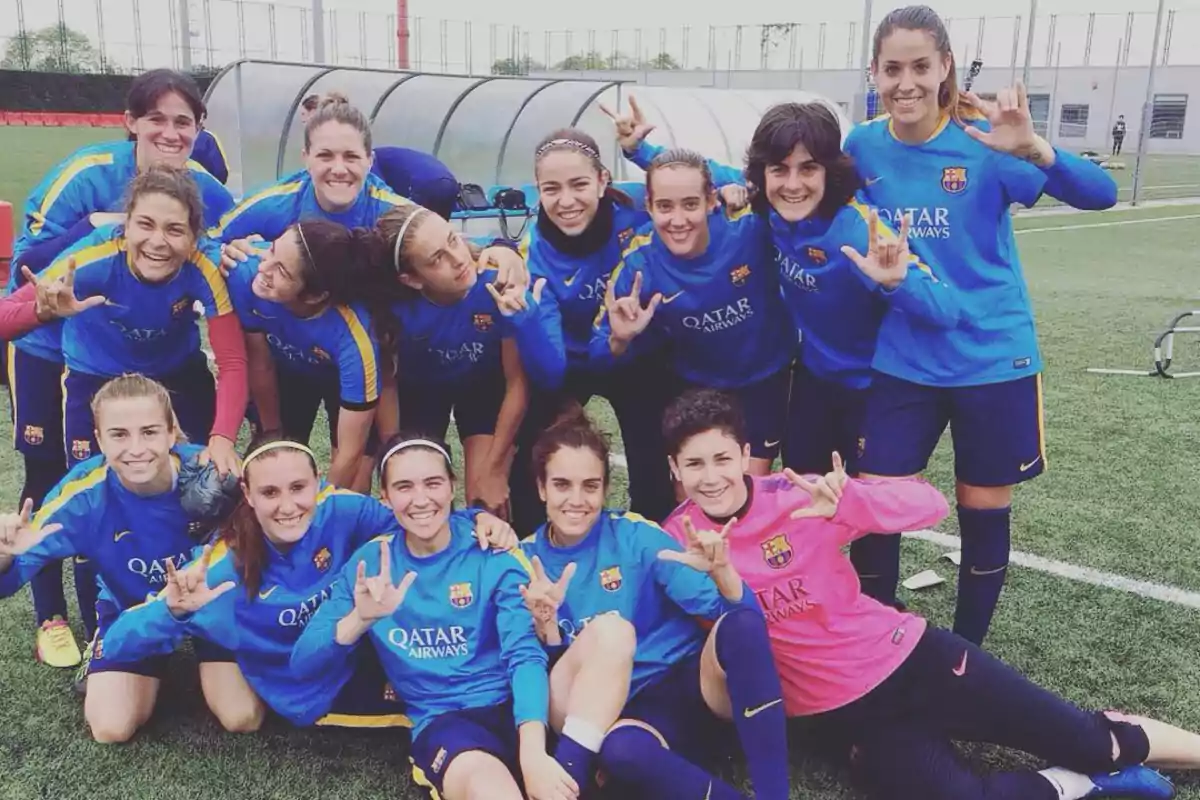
[[1147, 105], [318, 29], [1029, 41]]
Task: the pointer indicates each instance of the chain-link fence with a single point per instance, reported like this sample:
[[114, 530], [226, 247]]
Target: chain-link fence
[[134, 35]]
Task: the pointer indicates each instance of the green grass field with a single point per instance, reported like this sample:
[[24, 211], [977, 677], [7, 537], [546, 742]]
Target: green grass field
[[1120, 496]]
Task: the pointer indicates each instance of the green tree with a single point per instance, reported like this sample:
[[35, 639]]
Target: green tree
[[55, 48], [516, 66], [662, 61], [580, 62]]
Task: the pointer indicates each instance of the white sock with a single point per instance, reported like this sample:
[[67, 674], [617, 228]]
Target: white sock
[[1069, 785], [583, 733]]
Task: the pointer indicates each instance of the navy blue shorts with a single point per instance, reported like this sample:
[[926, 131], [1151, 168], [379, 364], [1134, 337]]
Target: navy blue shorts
[[490, 729], [35, 391], [998, 429], [674, 706], [823, 416], [193, 395], [152, 667], [300, 398], [367, 700], [765, 410], [475, 402]]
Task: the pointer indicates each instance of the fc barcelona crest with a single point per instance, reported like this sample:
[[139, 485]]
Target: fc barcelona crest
[[461, 595], [320, 354], [81, 449], [34, 434], [610, 579], [777, 551], [482, 322], [817, 256], [739, 275], [624, 236], [323, 559], [180, 306], [954, 179]]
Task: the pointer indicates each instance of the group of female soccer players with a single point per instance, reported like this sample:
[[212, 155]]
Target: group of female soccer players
[[602, 649]]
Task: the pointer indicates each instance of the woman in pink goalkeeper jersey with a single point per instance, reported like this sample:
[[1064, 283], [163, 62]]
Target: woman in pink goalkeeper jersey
[[894, 690]]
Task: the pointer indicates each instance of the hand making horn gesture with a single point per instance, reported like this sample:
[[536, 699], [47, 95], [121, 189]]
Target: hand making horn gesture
[[377, 597], [825, 492], [56, 296], [17, 534], [187, 590], [543, 597], [1011, 125], [887, 258], [627, 317], [707, 551], [631, 128], [511, 270], [511, 300]]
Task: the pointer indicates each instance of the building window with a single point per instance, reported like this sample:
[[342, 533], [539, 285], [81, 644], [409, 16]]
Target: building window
[[1073, 121], [1166, 120], [1039, 109]]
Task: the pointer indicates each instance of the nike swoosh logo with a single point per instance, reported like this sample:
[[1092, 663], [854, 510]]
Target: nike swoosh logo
[[571, 279], [754, 712], [978, 571], [769, 445], [1029, 466], [666, 300], [961, 669], [267, 593], [121, 535], [873, 181]]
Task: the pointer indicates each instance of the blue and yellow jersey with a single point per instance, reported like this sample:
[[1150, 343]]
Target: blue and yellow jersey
[[452, 343], [957, 193], [45, 341], [721, 312], [261, 629], [129, 538], [95, 179], [145, 327], [461, 639], [836, 308], [578, 281], [273, 210], [339, 340], [618, 571], [208, 153]]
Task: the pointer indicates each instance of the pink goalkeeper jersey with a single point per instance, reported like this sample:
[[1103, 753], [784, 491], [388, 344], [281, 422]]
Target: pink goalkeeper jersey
[[832, 644]]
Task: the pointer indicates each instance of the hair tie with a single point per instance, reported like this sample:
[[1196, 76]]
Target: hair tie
[[574, 144], [414, 443], [278, 444], [400, 237]]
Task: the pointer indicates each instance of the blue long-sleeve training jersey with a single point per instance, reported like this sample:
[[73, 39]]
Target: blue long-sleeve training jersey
[[461, 639], [338, 341], [836, 308], [129, 538], [208, 152], [262, 629], [446, 344], [294, 199], [957, 193], [618, 571], [95, 179]]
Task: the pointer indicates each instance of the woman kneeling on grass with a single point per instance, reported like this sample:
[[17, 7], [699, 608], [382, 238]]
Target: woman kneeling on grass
[[281, 552], [122, 511], [452, 634], [892, 689]]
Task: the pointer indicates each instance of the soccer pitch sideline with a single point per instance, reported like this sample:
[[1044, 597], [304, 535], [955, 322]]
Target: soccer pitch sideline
[[1119, 498]]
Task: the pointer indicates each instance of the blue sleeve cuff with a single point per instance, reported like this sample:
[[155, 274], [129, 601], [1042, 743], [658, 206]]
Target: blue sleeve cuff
[[531, 693]]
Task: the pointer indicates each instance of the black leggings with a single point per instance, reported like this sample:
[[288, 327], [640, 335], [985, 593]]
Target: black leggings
[[950, 690]]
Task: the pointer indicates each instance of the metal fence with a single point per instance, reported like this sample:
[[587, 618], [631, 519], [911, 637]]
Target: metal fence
[[134, 35]]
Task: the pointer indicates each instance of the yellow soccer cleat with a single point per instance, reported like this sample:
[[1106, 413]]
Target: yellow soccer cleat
[[56, 644]]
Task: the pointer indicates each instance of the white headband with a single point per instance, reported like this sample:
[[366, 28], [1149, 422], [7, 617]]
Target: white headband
[[400, 238], [414, 443]]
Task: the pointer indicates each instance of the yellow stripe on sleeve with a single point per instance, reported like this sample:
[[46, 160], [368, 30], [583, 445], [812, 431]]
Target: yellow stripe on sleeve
[[379, 193], [83, 258], [71, 490], [250, 202], [740, 213], [367, 353], [522, 559], [216, 283], [69, 173]]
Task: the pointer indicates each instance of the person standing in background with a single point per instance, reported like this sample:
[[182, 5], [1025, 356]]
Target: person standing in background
[[1118, 134]]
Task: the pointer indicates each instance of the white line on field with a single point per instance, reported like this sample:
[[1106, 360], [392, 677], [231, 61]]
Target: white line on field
[[1109, 224], [1094, 577]]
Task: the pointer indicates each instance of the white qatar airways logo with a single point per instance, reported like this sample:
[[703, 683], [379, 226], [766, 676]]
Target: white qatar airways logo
[[720, 319], [924, 223], [439, 642]]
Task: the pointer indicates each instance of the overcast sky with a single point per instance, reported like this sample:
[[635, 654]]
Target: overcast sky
[[359, 31]]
